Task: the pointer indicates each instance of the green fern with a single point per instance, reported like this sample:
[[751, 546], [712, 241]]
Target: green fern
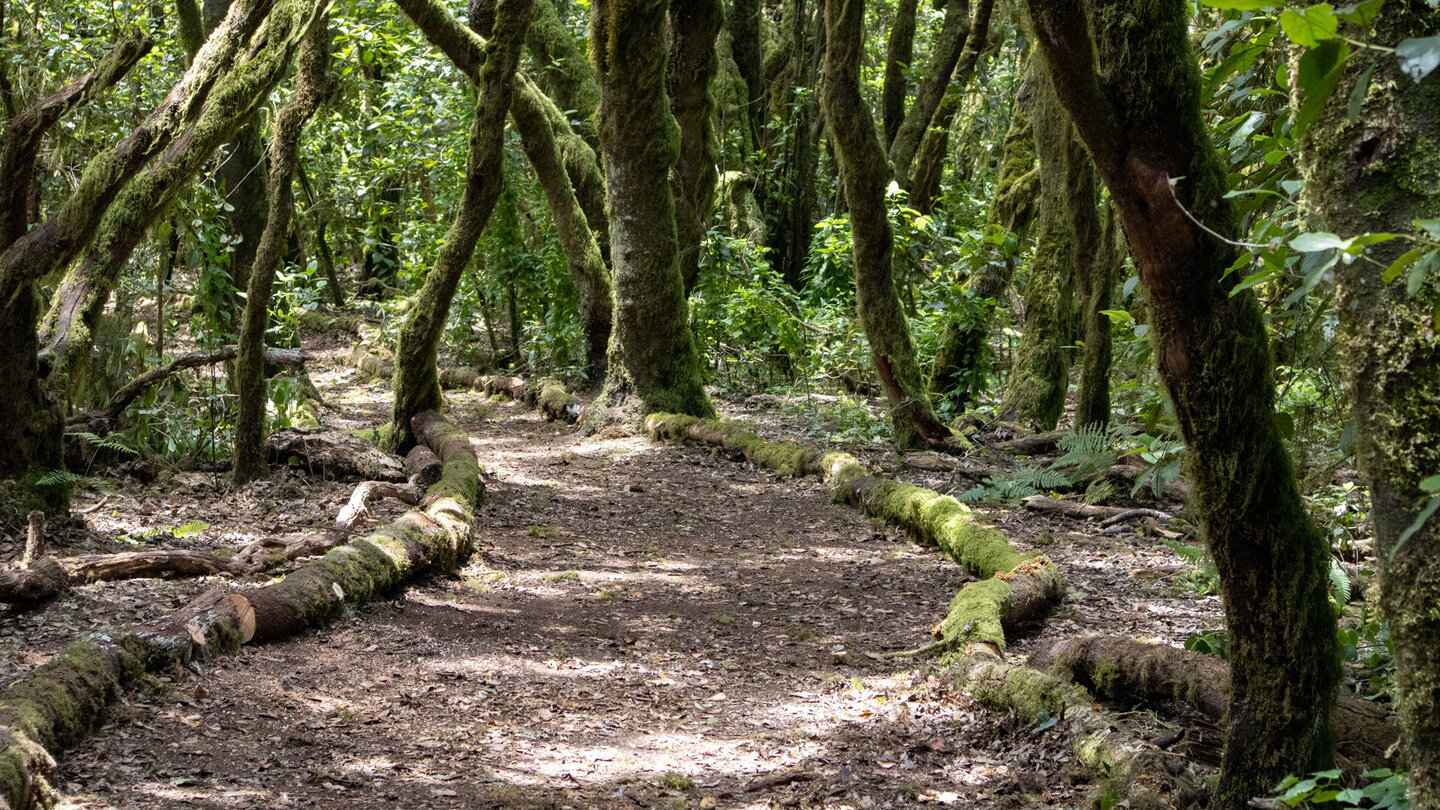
[[105, 443], [1099, 491], [1203, 579], [1339, 586], [1022, 483], [57, 478], [1092, 447]]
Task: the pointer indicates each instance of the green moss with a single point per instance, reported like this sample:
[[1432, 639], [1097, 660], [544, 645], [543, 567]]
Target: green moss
[[783, 458], [975, 614]]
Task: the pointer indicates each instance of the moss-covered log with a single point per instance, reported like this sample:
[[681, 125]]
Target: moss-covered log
[[1377, 171], [1134, 95], [311, 87], [692, 65], [417, 375], [783, 458], [556, 403], [56, 704], [866, 176], [654, 364], [1124, 669], [1040, 368], [1015, 589]]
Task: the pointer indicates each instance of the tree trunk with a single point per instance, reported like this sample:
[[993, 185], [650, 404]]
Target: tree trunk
[[899, 50], [565, 74], [417, 375], [744, 22], [1376, 172], [1099, 253], [962, 358], [1040, 370], [537, 121], [930, 162], [692, 65], [866, 175], [1134, 96], [653, 359], [790, 193], [310, 89], [943, 58]]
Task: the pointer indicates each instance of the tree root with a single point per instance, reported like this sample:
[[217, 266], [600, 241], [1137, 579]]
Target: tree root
[[54, 705]]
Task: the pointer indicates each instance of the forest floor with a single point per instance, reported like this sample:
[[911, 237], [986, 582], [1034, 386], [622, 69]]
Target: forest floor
[[644, 626]]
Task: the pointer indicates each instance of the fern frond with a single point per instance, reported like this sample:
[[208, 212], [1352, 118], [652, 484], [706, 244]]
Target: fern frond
[[58, 478], [1339, 585], [1099, 491]]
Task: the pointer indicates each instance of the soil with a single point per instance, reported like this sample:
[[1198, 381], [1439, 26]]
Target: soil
[[644, 626]]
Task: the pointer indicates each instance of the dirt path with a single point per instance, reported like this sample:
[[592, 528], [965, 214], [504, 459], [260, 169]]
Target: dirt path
[[645, 627]]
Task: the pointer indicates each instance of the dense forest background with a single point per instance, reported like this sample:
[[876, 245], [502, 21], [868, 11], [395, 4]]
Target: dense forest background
[[1193, 245]]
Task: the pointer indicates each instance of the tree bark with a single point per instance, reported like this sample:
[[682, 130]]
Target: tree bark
[[744, 22], [417, 376], [943, 59], [899, 50], [692, 65], [1040, 369], [653, 362], [789, 191], [1099, 253], [565, 74], [310, 89], [934, 146], [1133, 94], [866, 175], [1376, 172]]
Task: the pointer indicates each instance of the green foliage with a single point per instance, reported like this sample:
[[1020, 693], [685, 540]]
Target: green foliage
[[1094, 447], [1386, 790], [1209, 642], [1201, 579]]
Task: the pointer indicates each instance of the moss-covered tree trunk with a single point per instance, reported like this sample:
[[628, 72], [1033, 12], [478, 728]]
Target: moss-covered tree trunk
[[565, 74], [935, 145], [1376, 172], [310, 89], [899, 50], [743, 20], [790, 191], [1040, 369], [962, 357], [1134, 95], [693, 28], [538, 121], [30, 431], [865, 175], [943, 58], [654, 364], [417, 374], [67, 334], [1099, 252]]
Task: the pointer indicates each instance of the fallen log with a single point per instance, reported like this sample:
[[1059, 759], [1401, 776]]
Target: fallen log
[[463, 378], [101, 419], [1119, 668], [332, 454], [371, 366], [1015, 589], [557, 404], [1076, 509], [1034, 443], [784, 458], [87, 568], [422, 467], [32, 584], [55, 704], [269, 552], [496, 385]]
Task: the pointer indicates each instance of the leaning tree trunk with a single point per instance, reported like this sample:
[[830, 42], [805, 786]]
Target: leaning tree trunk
[[866, 175], [899, 50], [693, 28], [29, 430], [943, 59], [962, 358], [66, 335], [1377, 172], [653, 358], [310, 89], [935, 144], [1040, 370], [417, 374], [1134, 95]]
